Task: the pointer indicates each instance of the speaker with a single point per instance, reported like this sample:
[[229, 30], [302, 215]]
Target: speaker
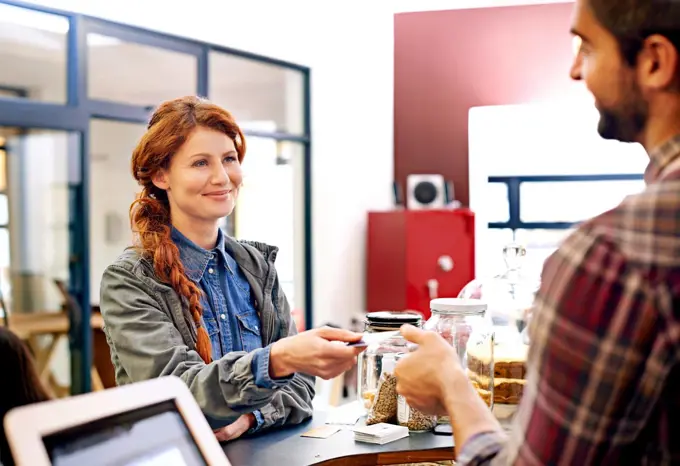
[[426, 192]]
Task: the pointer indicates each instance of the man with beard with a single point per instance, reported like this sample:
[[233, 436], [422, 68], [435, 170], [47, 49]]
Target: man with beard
[[603, 373]]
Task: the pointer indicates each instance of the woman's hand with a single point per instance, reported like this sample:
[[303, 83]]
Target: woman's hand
[[237, 428], [321, 352]]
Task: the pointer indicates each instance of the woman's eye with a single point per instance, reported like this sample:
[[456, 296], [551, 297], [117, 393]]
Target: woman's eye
[[230, 159], [200, 163]]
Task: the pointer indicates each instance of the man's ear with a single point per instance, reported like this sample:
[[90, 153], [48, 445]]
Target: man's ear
[[160, 180], [659, 60]]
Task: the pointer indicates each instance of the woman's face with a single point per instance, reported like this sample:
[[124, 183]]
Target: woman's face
[[203, 178]]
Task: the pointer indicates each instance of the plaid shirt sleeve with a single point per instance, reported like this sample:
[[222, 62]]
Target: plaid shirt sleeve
[[599, 357]]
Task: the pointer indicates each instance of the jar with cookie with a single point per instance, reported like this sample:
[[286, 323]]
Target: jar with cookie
[[465, 325], [509, 298]]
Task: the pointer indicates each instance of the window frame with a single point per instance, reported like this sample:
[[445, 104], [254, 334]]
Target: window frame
[[513, 183], [75, 115]]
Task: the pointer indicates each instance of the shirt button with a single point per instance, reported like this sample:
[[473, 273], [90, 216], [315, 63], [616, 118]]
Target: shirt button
[[210, 270], [223, 316]]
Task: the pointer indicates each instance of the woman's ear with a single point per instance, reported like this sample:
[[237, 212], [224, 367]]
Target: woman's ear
[[160, 180]]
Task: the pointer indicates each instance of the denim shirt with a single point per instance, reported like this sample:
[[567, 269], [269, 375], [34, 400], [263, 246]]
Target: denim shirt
[[229, 314]]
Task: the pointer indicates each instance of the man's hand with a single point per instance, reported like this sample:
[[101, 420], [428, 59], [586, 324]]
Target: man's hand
[[427, 375], [237, 428], [321, 352]]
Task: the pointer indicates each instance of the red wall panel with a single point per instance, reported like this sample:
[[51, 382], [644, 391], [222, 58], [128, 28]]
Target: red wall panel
[[449, 61]]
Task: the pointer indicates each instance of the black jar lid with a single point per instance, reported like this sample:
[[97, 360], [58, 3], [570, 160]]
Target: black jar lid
[[392, 319]]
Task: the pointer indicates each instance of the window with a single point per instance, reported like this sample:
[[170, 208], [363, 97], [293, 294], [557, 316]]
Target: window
[[572, 201], [4, 210], [270, 208], [58, 218], [497, 202], [537, 170], [36, 241], [111, 147], [33, 54], [256, 92], [137, 74], [543, 210]]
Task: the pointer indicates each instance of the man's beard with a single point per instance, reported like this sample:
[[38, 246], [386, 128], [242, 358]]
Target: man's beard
[[625, 121]]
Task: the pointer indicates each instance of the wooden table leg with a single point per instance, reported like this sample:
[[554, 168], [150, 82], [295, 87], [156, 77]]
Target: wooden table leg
[[97, 383], [46, 356]]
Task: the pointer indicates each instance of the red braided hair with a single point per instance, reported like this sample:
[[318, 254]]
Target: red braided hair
[[150, 216]]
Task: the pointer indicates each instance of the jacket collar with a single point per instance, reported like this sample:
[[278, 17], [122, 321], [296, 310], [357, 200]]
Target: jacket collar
[[253, 256]]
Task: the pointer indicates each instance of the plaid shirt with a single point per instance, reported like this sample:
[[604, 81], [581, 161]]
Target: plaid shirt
[[603, 373]]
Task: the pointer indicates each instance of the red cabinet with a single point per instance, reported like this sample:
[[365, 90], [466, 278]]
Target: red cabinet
[[415, 255]]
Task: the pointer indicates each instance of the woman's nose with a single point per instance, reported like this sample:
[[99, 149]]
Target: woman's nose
[[220, 175]]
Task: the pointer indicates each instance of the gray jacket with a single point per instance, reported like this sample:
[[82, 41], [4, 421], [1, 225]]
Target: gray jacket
[[150, 333]]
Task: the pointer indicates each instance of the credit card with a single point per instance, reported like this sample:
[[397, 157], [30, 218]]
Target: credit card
[[370, 338], [358, 344]]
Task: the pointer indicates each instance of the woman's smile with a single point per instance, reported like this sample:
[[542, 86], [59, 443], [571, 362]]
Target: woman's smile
[[221, 195]]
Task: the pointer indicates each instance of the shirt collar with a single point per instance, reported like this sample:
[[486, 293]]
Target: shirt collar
[[661, 158], [193, 257]]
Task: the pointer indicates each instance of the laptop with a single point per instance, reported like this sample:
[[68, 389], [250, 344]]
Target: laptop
[[151, 423]]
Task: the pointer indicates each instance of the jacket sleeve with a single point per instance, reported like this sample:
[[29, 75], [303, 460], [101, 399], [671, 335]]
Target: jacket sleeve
[[292, 404], [146, 343]]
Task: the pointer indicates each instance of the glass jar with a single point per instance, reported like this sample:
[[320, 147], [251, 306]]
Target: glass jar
[[465, 325], [509, 297], [415, 420], [376, 365]]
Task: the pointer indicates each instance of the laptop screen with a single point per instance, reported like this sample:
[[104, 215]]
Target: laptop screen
[[155, 435]]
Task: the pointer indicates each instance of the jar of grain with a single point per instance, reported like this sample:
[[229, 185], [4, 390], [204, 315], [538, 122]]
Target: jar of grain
[[376, 364], [415, 420]]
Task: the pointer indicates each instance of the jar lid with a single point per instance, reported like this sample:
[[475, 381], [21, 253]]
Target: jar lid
[[458, 306], [393, 319]]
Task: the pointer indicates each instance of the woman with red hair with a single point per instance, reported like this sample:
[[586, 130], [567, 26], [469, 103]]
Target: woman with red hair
[[190, 301]]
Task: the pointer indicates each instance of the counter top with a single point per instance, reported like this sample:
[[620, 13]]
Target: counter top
[[287, 447]]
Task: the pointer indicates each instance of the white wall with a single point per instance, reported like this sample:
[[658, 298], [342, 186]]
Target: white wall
[[349, 47]]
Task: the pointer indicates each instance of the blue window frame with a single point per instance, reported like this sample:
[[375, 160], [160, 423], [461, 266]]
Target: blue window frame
[[514, 184], [563, 198], [75, 115]]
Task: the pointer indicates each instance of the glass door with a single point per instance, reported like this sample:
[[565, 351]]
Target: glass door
[[38, 181]]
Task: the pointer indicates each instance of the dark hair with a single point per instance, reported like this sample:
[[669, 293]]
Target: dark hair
[[21, 384], [632, 21], [170, 126]]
